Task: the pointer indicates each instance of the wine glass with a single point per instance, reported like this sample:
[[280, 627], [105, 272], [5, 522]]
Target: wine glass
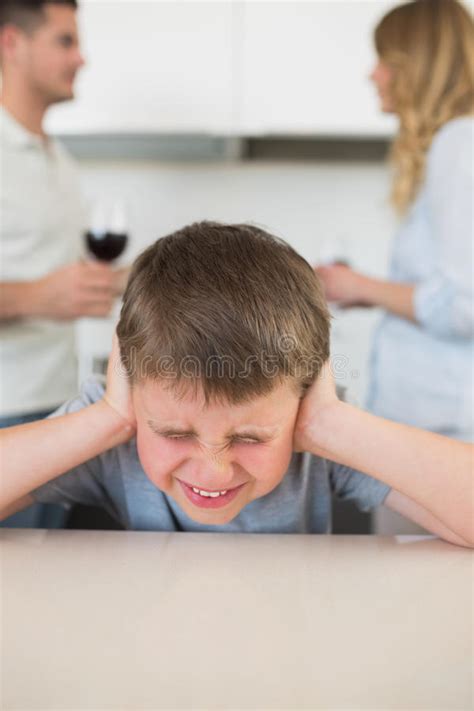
[[107, 237]]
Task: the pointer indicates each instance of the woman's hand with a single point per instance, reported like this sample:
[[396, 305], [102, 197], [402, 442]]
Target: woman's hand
[[320, 397], [118, 394], [344, 286], [349, 288]]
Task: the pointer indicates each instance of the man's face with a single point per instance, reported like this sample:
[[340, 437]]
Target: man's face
[[49, 57], [188, 449]]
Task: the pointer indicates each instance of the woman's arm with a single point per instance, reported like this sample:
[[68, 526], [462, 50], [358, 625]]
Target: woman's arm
[[443, 302], [349, 288], [433, 471]]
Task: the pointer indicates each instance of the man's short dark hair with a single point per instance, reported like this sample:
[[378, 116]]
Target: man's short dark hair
[[27, 14]]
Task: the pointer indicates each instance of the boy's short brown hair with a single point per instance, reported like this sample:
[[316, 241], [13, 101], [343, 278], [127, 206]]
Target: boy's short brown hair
[[230, 308]]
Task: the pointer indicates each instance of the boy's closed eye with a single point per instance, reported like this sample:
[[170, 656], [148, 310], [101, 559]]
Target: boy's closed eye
[[180, 436], [188, 436]]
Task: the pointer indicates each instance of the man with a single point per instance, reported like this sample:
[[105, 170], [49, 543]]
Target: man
[[44, 285]]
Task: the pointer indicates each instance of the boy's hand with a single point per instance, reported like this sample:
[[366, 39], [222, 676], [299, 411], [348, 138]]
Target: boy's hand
[[320, 396], [118, 394]]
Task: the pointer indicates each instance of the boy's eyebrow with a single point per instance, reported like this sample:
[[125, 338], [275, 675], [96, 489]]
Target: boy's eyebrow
[[166, 428], [172, 427], [257, 430]]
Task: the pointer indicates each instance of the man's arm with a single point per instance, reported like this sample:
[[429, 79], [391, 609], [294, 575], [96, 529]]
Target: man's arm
[[17, 299], [81, 289], [434, 472]]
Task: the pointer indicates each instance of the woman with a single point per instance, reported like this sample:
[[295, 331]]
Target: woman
[[422, 358]]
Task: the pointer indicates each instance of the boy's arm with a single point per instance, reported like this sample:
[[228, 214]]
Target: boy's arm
[[33, 454], [428, 472], [418, 514], [22, 503]]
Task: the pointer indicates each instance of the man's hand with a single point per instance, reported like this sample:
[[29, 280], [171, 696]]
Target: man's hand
[[81, 289], [344, 286], [321, 396], [120, 280], [118, 394]]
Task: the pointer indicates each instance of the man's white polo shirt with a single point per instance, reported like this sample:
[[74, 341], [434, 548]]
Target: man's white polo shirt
[[41, 225]]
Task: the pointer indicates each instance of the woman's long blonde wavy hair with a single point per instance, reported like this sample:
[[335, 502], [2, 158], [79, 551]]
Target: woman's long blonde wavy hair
[[429, 45]]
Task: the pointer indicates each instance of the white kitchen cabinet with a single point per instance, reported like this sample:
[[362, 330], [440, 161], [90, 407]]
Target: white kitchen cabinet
[[152, 67], [305, 68], [226, 67]]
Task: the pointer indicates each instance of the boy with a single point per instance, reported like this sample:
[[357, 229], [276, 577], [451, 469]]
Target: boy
[[220, 408]]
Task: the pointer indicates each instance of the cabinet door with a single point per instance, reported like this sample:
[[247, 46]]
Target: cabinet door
[[306, 68], [152, 66]]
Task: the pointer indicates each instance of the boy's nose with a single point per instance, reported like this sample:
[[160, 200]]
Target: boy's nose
[[213, 468], [218, 458]]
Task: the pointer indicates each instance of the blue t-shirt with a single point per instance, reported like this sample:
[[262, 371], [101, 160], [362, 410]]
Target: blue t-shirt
[[115, 481]]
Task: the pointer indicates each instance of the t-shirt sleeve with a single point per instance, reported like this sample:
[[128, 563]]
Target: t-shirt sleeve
[[365, 491], [82, 484]]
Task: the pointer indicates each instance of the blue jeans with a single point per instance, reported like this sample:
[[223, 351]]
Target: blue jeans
[[38, 515]]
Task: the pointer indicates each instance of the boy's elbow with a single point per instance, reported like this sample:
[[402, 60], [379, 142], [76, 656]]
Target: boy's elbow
[[457, 540], [469, 542], [466, 534], [463, 544]]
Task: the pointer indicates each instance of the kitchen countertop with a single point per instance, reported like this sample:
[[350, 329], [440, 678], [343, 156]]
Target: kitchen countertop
[[142, 620]]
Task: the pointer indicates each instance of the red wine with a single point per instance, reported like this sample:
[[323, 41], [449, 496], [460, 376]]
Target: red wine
[[106, 246]]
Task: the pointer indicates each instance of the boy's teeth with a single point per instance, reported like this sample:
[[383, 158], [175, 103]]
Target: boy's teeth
[[211, 494]]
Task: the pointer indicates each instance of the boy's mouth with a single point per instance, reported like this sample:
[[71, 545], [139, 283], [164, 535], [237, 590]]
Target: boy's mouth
[[206, 499]]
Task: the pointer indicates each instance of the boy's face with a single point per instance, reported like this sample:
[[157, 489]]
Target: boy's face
[[243, 450]]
